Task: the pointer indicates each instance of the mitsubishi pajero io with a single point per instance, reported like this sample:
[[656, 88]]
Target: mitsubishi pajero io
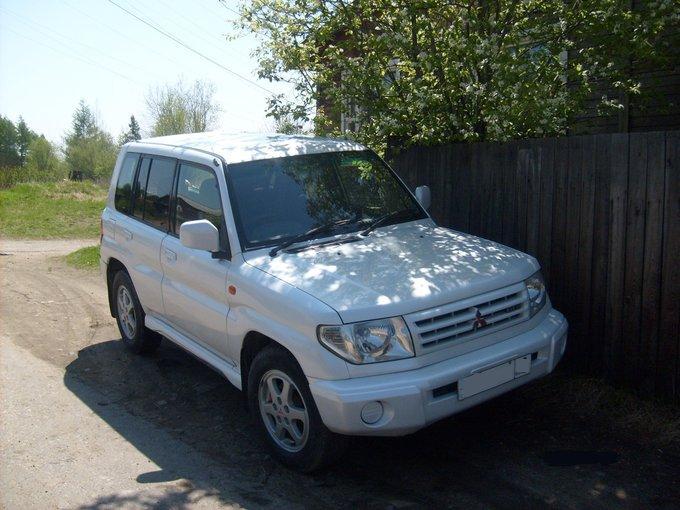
[[305, 271]]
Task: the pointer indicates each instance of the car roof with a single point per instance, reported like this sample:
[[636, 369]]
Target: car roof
[[237, 148]]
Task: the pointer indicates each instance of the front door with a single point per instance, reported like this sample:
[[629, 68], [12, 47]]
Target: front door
[[194, 283]]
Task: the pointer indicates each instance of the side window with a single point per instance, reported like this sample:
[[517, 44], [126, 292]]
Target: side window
[[140, 188], [123, 197], [158, 191], [198, 196]]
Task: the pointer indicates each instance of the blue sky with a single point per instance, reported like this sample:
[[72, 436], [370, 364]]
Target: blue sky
[[55, 52]]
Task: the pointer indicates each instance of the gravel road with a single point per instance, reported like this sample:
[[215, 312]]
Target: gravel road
[[84, 424]]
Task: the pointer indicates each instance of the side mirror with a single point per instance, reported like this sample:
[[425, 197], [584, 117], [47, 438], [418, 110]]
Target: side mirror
[[199, 235], [424, 196]]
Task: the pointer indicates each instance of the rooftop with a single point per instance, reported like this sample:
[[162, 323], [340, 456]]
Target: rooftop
[[236, 148]]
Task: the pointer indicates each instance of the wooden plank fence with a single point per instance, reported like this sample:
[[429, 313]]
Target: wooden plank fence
[[602, 215]]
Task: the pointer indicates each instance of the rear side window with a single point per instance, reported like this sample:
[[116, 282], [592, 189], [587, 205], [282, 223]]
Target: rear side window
[[198, 196], [123, 197], [158, 191], [153, 188]]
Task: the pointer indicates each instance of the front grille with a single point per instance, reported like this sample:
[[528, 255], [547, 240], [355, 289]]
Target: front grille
[[468, 319]]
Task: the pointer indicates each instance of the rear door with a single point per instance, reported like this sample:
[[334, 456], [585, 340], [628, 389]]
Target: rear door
[[194, 283], [140, 232]]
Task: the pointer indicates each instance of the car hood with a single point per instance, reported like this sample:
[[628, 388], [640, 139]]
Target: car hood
[[398, 269]]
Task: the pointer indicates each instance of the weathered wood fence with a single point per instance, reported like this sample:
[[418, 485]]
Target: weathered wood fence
[[602, 215]]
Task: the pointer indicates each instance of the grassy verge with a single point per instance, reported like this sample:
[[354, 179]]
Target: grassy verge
[[61, 210], [84, 258]]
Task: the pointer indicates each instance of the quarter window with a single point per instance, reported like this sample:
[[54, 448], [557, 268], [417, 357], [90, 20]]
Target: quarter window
[[123, 196], [140, 188], [198, 196]]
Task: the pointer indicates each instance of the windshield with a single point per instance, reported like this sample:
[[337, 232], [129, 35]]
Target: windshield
[[277, 199]]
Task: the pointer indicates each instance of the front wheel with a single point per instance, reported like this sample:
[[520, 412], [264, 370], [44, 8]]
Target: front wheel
[[286, 415]]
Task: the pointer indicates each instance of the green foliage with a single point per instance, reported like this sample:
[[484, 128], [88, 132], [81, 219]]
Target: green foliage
[[434, 71], [9, 154], [84, 122], [287, 125], [51, 210], [84, 258], [90, 152], [26, 157], [42, 163], [132, 134], [177, 109], [24, 138]]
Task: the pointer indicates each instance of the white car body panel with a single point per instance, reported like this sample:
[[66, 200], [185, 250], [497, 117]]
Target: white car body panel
[[208, 306], [279, 310], [194, 294], [399, 269], [237, 148]]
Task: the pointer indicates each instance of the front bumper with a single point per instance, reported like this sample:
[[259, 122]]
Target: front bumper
[[408, 399]]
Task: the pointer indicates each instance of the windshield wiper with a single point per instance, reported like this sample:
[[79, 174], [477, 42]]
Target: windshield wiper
[[326, 227], [381, 220]]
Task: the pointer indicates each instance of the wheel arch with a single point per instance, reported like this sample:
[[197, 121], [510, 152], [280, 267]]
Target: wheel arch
[[112, 267], [255, 342]]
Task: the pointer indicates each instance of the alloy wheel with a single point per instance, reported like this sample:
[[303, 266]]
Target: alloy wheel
[[126, 312], [283, 411]]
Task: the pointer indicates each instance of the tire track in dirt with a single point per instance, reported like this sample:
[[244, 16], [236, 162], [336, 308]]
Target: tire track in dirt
[[50, 308]]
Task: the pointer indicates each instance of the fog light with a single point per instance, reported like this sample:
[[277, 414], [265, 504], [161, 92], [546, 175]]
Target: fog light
[[372, 412]]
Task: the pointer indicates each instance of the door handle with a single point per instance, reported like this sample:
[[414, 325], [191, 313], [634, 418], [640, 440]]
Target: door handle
[[170, 255], [126, 233]]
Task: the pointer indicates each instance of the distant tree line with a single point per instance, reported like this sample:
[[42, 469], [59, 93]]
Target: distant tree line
[[88, 150], [25, 155]]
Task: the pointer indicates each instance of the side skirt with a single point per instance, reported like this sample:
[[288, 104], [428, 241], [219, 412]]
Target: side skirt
[[226, 368]]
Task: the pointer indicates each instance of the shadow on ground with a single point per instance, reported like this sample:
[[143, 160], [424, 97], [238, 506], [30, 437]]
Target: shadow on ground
[[515, 451]]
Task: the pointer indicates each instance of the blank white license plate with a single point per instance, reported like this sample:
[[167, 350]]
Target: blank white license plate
[[482, 381]]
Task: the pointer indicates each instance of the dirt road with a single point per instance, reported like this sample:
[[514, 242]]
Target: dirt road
[[84, 424]]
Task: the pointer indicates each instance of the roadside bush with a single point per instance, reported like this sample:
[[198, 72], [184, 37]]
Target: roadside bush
[[10, 175], [42, 165]]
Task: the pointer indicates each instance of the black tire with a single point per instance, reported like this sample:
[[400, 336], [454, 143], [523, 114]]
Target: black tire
[[143, 340], [322, 446]]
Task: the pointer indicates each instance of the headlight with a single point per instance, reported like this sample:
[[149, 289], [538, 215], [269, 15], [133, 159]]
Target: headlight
[[368, 342], [537, 293]]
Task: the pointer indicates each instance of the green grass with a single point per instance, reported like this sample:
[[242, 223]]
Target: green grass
[[60, 210], [84, 258]]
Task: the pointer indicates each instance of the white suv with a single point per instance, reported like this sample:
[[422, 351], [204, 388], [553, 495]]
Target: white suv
[[306, 272]]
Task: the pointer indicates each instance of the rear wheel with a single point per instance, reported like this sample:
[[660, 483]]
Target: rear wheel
[[130, 317], [286, 415]]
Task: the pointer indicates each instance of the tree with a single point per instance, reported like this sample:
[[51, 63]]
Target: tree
[[84, 122], [435, 71], [132, 134], [287, 125], [9, 155], [42, 163], [90, 151], [176, 109], [24, 138]]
